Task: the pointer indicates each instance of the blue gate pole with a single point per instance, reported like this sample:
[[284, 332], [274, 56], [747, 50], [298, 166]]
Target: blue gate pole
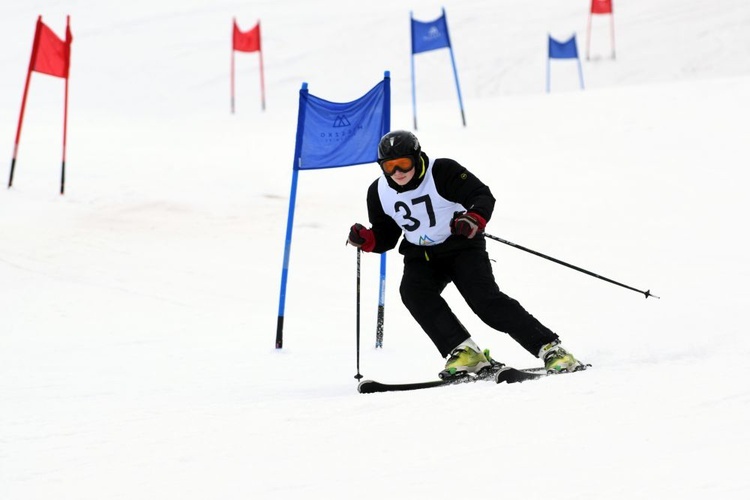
[[381, 304], [290, 218], [413, 93], [580, 72], [458, 87], [381, 296], [455, 71], [285, 268]]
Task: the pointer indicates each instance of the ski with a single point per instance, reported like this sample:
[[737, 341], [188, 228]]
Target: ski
[[499, 373], [512, 375], [372, 386]]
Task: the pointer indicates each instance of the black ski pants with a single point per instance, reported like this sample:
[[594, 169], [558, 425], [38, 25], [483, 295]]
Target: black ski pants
[[470, 270]]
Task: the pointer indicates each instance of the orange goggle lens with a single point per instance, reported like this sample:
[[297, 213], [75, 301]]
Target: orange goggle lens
[[401, 164]]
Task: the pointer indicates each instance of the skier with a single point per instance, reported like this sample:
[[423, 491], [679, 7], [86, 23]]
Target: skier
[[441, 208]]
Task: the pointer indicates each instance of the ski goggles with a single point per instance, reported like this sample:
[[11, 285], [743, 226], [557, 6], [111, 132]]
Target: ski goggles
[[403, 164]]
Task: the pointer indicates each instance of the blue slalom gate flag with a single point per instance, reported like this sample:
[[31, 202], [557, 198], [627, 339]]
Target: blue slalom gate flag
[[563, 50], [331, 134], [426, 36], [431, 35]]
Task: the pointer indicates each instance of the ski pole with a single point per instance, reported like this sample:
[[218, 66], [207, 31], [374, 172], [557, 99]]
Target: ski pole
[[647, 293], [359, 260]]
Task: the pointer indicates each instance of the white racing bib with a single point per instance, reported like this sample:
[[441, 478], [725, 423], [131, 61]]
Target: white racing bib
[[422, 213]]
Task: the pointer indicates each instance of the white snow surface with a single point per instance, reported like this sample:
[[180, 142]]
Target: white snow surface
[[138, 311]]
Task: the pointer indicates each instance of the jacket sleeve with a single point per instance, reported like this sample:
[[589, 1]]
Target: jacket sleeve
[[386, 231], [455, 183]]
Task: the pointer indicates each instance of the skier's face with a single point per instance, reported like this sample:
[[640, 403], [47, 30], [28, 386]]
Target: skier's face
[[403, 178]]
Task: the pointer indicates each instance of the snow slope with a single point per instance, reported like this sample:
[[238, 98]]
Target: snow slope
[[139, 310]]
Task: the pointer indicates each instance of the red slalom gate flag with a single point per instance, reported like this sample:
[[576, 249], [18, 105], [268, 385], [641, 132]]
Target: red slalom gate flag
[[601, 6], [247, 41], [50, 55]]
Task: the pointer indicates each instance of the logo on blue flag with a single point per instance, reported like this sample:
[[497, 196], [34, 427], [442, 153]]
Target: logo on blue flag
[[341, 121]]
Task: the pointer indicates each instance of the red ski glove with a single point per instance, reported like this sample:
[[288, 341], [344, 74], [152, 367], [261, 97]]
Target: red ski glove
[[468, 224], [361, 237]]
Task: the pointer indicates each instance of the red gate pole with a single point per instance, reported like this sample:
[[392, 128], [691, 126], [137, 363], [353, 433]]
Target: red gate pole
[[231, 78], [65, 112], [23, 103], [262, 78], [18, 130]]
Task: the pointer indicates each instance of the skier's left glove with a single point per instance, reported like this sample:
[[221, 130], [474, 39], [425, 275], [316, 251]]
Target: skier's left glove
[[361, 237], [467, 224]]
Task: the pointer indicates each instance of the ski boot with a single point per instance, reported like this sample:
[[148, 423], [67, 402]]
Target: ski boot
[[464, 361], [557, 360]]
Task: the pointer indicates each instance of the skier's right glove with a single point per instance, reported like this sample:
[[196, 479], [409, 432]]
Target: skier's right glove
[[361, 237]]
